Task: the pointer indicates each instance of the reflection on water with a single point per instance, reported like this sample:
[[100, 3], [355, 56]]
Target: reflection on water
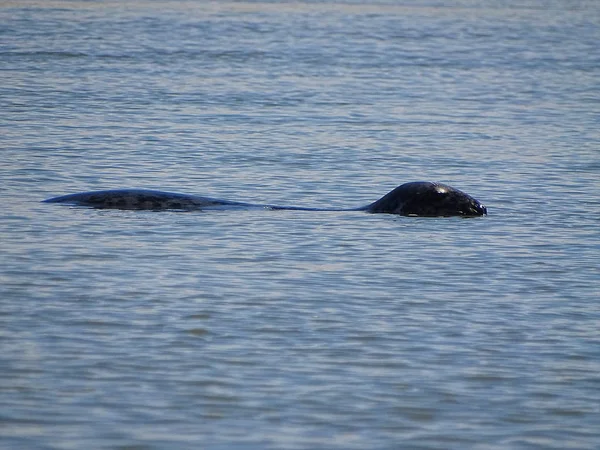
[[294, 329]]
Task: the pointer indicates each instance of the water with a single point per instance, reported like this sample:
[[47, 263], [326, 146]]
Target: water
[[290, 329]]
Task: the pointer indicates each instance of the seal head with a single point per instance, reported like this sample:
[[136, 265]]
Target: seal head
[[427, 199]]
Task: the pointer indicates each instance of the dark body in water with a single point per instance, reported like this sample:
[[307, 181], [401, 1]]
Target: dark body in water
[[419, 198]]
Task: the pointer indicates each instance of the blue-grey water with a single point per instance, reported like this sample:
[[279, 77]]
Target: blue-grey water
[[288, 329]]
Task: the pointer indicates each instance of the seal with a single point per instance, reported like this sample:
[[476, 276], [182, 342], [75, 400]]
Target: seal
[[418, 198]]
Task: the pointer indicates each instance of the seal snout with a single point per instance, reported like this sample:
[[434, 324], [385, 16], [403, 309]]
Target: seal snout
[[475, 209]]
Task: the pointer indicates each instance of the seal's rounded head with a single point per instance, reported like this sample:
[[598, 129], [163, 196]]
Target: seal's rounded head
[[427, 199]]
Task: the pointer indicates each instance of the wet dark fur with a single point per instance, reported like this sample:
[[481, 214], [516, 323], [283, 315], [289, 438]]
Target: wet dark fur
[[419, 198]]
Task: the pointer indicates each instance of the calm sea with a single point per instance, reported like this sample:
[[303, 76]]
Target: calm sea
[[290, 329]]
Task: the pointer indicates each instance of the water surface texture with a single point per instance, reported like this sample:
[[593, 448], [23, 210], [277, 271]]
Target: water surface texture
[[285, 330]]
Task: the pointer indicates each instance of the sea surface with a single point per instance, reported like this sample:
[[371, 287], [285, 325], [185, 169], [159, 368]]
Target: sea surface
[[264, 329]]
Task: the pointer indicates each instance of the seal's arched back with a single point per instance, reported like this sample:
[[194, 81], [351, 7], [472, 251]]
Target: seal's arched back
[[419, 198]]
